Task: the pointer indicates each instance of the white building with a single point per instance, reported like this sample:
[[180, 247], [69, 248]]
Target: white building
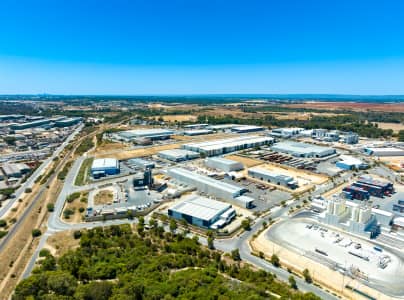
[[223, 190], [302, 149], [223, 164], [178, 154], [222, 146]]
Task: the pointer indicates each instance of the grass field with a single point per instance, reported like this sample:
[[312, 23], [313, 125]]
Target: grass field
[[83, 175]]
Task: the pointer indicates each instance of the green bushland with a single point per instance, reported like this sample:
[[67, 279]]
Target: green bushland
[[118, 262]]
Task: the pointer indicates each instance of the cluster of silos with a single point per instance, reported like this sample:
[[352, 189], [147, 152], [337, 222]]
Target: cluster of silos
[[360, 214], [336, 206]]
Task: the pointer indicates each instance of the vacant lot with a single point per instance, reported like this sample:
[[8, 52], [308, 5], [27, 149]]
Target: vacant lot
[[103, 197], [247, 162], [355, 106], [396, 127], [61, 242]]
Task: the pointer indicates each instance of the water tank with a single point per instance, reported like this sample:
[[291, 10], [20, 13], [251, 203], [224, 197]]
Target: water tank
[[330, 207], [355, 214], [364, 215]]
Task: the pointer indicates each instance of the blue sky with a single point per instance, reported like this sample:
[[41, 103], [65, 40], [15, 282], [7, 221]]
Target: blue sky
[[197, 47]]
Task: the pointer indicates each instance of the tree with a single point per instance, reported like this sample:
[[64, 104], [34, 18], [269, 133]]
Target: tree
[[50, 207], [401, 136], [235, 255], [36, 232], [307, 276], [210, 242], [173, 225], [292, 282], [62, 283], [246, 224], [275, 260], [3, 223]]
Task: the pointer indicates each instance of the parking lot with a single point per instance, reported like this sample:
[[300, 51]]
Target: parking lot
[[265, 197]]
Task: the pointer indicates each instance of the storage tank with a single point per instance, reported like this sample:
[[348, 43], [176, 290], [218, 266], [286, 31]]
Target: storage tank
[[355, 214], [364, 214], [330, 207]]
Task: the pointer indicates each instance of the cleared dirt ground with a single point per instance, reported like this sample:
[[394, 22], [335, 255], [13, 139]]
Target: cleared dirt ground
[[355, 106], [61, 242], [247, 162], [103, 197], [394, 126]]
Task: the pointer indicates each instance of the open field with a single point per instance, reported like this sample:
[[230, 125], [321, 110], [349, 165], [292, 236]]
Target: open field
[[122, 155], [354, 106], [61, 242], [179, 118], [396, 127], [103, 197]]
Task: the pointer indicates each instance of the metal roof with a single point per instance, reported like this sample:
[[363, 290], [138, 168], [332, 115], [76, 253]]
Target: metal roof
[[303, 148], [201, 208], [105, 163], [233, 189], [229, 142]]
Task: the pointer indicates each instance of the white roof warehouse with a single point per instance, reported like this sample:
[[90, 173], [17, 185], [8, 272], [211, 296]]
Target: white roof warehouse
[[210, 186], [218, 147]]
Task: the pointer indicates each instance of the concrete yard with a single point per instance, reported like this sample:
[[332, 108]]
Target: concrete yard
[[305, 235]]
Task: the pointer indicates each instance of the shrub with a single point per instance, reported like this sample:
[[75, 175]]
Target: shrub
[[44, 252], [81, 209], [50, 207], [36, 232], [77, 234], [3, 223], [3, 233]]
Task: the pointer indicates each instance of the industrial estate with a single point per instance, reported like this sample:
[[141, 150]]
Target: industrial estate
[[323, 205]]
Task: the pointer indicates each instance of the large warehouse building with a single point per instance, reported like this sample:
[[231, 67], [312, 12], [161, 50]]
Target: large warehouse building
[[152, 134], [210, 186], [178, 154], [302, 149], [203, 212], [247, 129], [223, 164], [279, 179], [104, 166], [384, 151], [218, 147]]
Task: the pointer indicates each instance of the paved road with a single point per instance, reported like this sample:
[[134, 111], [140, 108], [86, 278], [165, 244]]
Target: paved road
[[242, 244], [38, 172]]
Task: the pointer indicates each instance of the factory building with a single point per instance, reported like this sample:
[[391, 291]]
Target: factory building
[[141, 163], [349, 138], [351, 163], [285, 132], [68, 122], [177, 155], [356, 218], [385, 151], [26, 125], [223, 164], [303, 150], [271, 177], [229, 192], [221, 127], [196, 126], [4, 118], [152, 134], [218, 147], [247, 129], [203, 212], [15, 170], [195, 132], [104, 166]]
